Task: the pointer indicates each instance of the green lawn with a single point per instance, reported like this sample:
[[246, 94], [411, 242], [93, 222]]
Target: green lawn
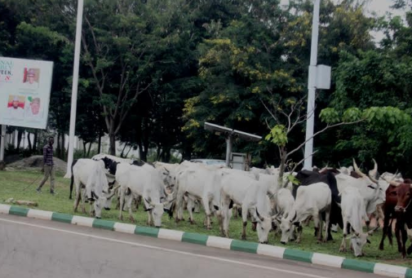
[[21, 186]]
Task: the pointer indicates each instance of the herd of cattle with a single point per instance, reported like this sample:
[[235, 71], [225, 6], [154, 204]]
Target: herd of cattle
[[345, 197]]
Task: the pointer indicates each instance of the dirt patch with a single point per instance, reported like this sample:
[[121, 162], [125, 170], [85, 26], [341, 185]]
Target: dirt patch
[[36, 161]]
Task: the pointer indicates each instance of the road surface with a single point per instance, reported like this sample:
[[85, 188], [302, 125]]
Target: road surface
[[35, 248]]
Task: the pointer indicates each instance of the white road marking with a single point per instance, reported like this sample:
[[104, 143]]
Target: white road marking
[[165, 249]]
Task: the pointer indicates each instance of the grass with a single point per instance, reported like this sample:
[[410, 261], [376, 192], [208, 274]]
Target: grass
[[21, 185]]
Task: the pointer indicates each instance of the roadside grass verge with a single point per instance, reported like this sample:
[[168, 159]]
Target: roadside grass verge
[[21, 185]]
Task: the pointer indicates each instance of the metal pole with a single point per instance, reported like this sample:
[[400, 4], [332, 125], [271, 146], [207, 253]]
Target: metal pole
[[75, 85], [228, 149], [310, 123], [3, 142]]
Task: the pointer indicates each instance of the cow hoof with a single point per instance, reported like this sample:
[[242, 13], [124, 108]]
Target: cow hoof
[[192, 222], [243, 237], [132, 220], [342, 249]]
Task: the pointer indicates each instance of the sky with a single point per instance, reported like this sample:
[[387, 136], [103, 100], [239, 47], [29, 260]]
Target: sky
[[380, 7]]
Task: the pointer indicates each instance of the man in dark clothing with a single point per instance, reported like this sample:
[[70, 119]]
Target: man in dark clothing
[[48, 166]]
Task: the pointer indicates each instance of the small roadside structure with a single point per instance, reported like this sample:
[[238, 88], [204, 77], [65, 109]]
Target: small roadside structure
[[229, 134]]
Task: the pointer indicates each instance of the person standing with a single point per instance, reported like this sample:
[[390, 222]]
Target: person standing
[[48, 166]]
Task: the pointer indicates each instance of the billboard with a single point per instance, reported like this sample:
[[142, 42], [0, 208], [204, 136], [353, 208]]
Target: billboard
[[25, 87]]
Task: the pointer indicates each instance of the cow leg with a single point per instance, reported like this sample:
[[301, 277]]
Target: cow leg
[[398, 236], [345, 234], [149, 218], [235, 212], [196, 207], [129, 205], [206, 206], [403, 239], [92, 211], [225, 216], [299, 233], [77, 196], [190, 208], [327, 224], [83, 198], [179, 206], [316, 223], [121, 203], [320, 227], [385, 229], [244, 219], [390, 235]]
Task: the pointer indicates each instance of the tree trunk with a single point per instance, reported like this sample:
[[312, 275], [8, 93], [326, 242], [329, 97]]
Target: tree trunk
[[19, 136], [112, 148], [124, 148], [158, 152], [29, 141], [84, 148], [64, 156], [90, 147], [99, 145], [131, 147], [58, 149], [35, 142], [282, 154]]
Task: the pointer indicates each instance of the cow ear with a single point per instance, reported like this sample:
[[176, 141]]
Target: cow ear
[[258, 215]]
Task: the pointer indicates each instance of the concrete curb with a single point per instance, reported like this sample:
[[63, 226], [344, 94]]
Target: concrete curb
[[217, 242]]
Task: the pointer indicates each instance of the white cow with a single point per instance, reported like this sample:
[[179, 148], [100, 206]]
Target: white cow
[[147, 182], [89, 176], [191, 183], [310, 201], [353, 214], [252, 197], [372, 193], [212, 191]]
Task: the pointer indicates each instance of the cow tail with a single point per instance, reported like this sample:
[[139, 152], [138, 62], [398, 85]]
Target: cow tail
[[72, 180]]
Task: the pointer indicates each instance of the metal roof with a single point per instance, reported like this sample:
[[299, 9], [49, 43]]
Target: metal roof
[[229, 131]]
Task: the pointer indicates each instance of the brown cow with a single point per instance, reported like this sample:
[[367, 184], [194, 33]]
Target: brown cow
[[398, 207], [389, 214]]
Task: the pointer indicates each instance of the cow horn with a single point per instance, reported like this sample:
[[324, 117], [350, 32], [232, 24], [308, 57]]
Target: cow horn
[[392, 182], [396, 173], [111, 194], [294, 217], [147, 201], [374, 172], [357, 170]]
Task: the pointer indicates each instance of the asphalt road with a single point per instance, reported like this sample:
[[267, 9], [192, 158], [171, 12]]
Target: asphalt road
[[35, 248]]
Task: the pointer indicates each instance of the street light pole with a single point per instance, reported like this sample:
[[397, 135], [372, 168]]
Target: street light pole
[[310, 123], [75, 86], [3, 141]]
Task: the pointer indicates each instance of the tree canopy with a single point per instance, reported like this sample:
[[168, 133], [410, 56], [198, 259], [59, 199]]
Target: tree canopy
[[152, 72]]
